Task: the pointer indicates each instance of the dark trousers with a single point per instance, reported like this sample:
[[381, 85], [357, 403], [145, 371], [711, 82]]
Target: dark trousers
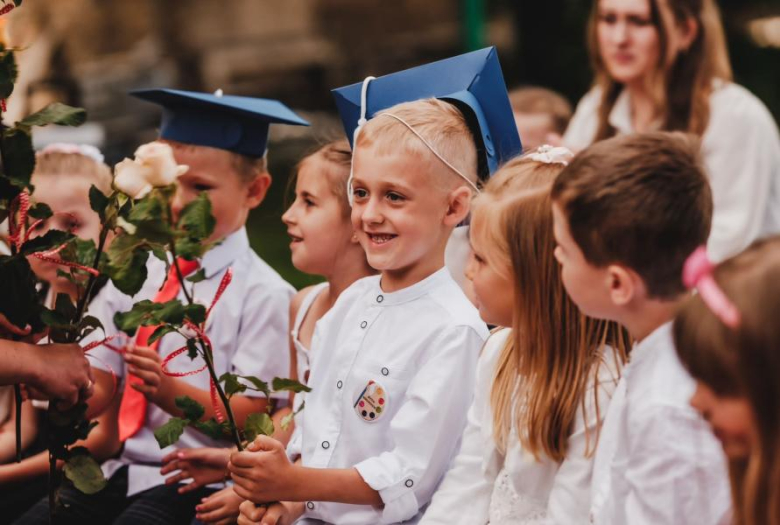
[[161, 505]]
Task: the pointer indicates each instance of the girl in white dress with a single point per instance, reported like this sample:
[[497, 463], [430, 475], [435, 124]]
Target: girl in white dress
[[322, 243], [543, 385]]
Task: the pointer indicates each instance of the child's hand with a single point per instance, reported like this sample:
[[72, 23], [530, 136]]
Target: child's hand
[[204, 465], [220, 508], [145, 363], [263, 472], [283, 513]]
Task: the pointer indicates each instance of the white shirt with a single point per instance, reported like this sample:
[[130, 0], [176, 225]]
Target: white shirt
[[420, 346], [741, 152], [485, 486], [248, 329], [657, 461]]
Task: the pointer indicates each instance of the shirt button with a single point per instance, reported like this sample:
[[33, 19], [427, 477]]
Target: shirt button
[[325, 445], [385, 371], [409, 483], [310, 505], [380, 298], [363, 324], [339, 384]]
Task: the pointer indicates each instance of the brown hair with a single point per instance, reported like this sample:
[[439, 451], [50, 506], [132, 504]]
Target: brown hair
[[536, 100], [639, 200], [246, 167], [554, 352], [51, 163], [442, 125], [682, 90], [743, 362], [335, 159]]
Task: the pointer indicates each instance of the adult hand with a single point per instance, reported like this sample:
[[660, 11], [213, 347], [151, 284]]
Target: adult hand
[[59, 371], [203, 465], [221, 508], [263, 472], [8, 330]]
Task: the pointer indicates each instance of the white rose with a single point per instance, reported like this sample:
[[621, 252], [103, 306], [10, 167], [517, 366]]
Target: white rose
[[158, 157], [131, 178]]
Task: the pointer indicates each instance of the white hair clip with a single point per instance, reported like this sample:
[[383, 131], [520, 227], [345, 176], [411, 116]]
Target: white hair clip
[[75, 149], [551, 155]]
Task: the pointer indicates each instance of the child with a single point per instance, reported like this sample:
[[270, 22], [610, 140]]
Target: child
[[527, 449], [248, 326], [727, 337], [62, 178], [323, 243], [394, 367], [541, 115], [627, 213]]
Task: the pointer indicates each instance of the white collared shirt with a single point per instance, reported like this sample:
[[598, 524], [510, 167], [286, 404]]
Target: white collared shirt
[[248, 329], [741, 152], [657, 461], [485, 486], [419, 346]]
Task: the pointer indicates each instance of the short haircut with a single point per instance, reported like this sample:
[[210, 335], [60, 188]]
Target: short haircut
[[56, 163], [246, 167], [442, 125], [639, 200], [539, 100]]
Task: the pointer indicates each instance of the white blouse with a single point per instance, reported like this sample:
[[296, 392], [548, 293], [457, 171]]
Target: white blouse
[[741, 151], [483, 486]]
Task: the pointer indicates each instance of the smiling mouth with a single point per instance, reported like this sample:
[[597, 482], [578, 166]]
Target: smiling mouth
[[294, 238], [381, 238]]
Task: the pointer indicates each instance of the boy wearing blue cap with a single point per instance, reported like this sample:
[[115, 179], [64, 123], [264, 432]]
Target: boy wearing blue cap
[[223, 141], [395, 356]]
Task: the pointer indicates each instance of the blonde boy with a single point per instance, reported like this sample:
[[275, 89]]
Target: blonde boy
[[627, 213], [396, 354]]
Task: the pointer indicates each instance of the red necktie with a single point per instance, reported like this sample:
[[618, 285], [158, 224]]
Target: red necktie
[[132, 410]]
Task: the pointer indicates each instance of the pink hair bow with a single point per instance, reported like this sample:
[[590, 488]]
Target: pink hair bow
[[697, 273]]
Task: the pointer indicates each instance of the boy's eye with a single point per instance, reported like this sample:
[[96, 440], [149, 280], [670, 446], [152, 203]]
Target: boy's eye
[[202, 187], [394, 197], [359, 193]]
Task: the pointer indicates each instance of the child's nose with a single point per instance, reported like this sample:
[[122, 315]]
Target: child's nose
[[371, 212], [178, 202], [289, 217]]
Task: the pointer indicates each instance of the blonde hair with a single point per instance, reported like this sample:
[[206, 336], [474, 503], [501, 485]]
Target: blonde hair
[[682, 90], [539, 100], [247, 168], [442, 125], [335, 160], [743, 362], [554, 352], [56, 163]]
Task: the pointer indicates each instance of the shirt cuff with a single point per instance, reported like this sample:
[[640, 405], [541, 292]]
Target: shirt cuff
[[397, 493]]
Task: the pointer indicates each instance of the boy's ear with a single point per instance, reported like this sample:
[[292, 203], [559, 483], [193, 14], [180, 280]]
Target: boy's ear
[[257, 190], [458, 206], [624, 284]]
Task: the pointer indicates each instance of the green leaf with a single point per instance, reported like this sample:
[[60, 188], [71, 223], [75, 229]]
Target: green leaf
[[289, 418], [232, 385], [84, 472], [130, 276], [51, 239], [98, 201], [159, 332], [196, 218], [170, 432], [257, 424], [41, 210], [18, 299], [192, 349], [56, 113], [198, 276], [196, 313], [288, 385], [190, 248], [260, 386], [18, 156], [88, 325], [191, 408], [212, 428], [8, 73]]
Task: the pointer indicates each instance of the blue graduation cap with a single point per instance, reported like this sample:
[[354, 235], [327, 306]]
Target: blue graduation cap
[[237, 124], [473, 82]]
